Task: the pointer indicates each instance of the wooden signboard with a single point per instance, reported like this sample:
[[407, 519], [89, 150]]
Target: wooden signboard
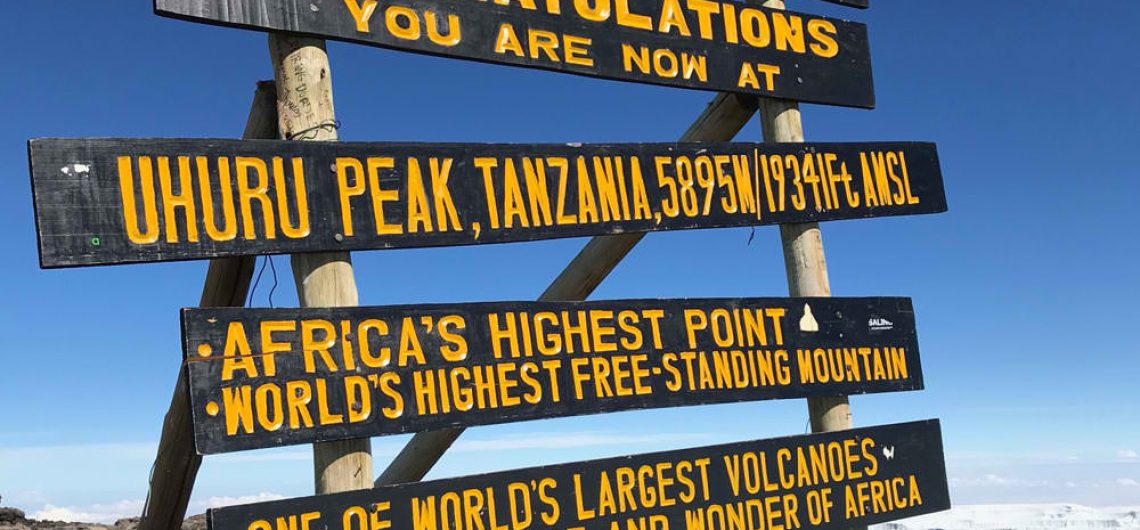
[[271, 377], [861, 4], [108, 201], [718, 45], [830, 481]]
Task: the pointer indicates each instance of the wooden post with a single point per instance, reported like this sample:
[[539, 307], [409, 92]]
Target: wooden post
[[803, 249], [305, 112], [725, 116], [227, 283]]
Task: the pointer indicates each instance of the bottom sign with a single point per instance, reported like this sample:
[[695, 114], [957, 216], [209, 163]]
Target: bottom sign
[[824, 481]]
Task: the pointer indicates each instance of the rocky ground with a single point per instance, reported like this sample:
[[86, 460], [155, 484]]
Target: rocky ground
[[13, 519]]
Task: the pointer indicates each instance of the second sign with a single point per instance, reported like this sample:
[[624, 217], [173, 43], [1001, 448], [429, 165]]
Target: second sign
[[271, 377]]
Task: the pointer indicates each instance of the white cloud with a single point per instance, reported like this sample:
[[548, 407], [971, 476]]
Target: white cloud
[[1039, 457], [1127, 454], [17, 498], [298, 454], [276, 456], [124, 450], [998, 480], [218, 502], [1127, 482], [109, 513], [93, 513], [570, 440], [1006, 516], [548, 440]]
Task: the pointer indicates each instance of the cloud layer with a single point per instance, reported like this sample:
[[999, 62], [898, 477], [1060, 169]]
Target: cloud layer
[[109, 513]]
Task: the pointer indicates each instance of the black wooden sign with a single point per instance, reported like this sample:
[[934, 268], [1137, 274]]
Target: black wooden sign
[[705, 44], [272, 377], [831, 481], [107, 201], [861, 4]]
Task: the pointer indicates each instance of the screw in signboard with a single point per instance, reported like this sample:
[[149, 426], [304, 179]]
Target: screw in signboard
[[338, 237], [95, 241]]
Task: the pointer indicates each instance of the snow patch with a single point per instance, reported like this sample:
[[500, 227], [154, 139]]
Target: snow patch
[[1023, 517]]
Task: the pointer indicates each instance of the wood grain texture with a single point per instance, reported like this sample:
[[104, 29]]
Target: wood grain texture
[[905, 460], [839, 75], [227, 283], [305, 112]]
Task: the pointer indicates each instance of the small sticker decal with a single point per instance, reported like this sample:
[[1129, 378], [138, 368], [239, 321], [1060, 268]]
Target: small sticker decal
[[807, 322], [76, 169], [880, 324]]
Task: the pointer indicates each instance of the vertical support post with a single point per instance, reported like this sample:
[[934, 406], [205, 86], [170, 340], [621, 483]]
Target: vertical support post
[[305, 112], [803, 249]]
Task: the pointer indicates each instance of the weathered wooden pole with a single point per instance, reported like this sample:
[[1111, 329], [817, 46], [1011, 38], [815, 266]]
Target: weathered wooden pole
[[305, 112], [724, 116], [803, 249], [227, 283]]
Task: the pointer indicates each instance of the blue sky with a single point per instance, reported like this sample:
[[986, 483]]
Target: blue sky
[[1024, 291]]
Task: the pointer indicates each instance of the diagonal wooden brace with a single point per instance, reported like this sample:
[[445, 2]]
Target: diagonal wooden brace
[[725, 116], [227, 284]]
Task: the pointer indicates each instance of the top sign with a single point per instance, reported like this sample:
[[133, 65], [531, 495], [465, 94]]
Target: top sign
[[861, 4], [704, 44]]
